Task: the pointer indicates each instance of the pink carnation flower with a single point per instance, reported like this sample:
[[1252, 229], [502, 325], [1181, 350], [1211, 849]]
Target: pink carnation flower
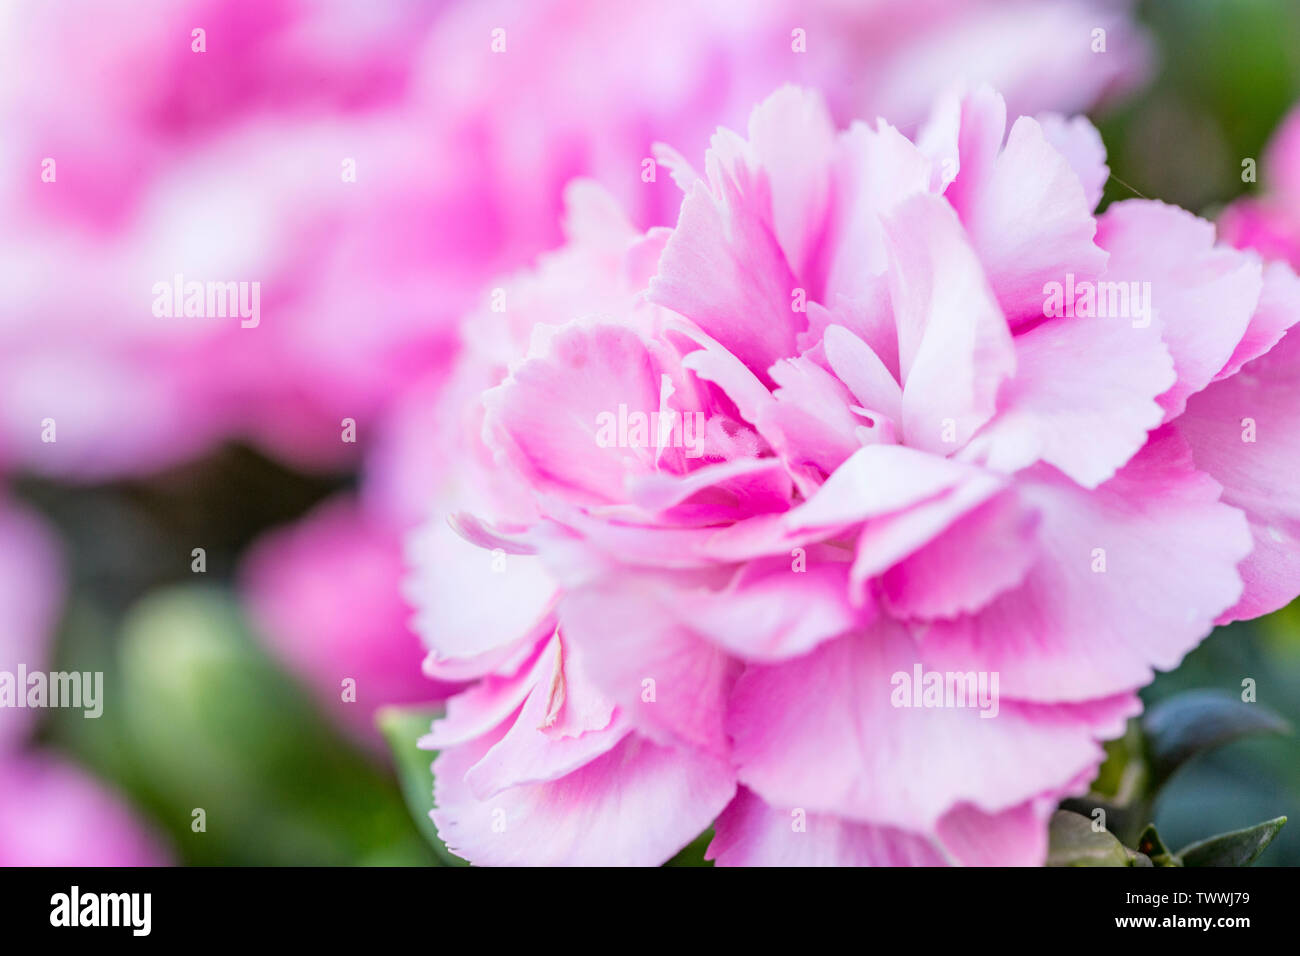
[[876, 411]]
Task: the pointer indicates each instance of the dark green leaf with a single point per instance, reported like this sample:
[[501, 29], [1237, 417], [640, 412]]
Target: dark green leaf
[[1072, 841], [1238, 848], [1190, 723]]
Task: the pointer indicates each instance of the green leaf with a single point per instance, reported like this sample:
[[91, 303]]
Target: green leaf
[[1072, 841], [1151, 846], [402, 728], [1238, 848], [1190, 723], [212, 725]]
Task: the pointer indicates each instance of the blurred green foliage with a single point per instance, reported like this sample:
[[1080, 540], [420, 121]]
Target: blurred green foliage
[[199, 719], [1253, 779], [1228, 71], [198, 716]]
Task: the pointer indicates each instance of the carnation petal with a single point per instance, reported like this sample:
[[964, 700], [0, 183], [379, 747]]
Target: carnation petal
[[479, 709], [811, 424], [777, 607], [954, 346], [1079, 142], [1202, 294], [1132, 577], [983, 553], [793, 140], [1031, 222], [862, 370], [875, 170], [1278, 311], [750, 833], [470, 601], [635, 805], [1083, 399], [1245, 432], [527, 753], [878, 480], [724, 269], [670, 682], [822, 732]]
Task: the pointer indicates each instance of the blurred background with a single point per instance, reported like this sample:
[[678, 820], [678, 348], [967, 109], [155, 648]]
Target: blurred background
[[226, 669]]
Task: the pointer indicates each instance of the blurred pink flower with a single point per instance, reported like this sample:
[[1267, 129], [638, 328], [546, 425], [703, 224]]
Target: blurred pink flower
[[1270, 222], [206, 165], [876, 410], [325, 594], [52, 813], [233, 164], [168, 161]]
